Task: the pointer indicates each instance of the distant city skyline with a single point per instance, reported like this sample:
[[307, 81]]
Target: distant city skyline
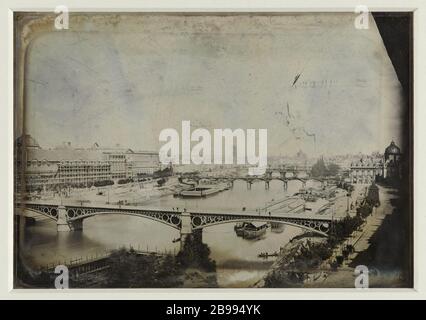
[[70, 144]]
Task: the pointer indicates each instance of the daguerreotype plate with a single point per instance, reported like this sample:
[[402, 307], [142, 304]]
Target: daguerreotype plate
[[213, 150]]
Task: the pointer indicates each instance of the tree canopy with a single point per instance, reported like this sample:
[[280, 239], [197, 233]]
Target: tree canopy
[[320, 169]]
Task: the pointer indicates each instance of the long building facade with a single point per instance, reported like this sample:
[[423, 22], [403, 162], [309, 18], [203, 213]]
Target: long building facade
[[366, 170], [37, 168]]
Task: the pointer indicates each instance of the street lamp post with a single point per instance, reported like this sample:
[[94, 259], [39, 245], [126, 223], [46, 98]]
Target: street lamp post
[[348, 195]]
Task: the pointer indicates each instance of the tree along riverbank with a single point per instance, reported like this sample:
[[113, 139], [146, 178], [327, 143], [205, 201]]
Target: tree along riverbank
[[306, 257], [190, 268]]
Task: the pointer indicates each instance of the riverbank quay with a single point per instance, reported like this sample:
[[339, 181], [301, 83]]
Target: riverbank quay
[[309, 261], [132, 193]]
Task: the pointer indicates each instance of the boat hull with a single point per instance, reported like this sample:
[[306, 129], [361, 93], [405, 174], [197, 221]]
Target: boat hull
[[254, 234], [239, 229], [199, 192]]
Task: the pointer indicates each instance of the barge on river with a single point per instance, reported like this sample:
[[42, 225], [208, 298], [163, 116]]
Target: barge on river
[[199, 192], [250, 230]]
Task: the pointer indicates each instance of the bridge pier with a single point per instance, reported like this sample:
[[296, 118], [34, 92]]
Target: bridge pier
[[266, 185], [186, 231], [249, 185], [185, 228], [63, 225], [285, 185]]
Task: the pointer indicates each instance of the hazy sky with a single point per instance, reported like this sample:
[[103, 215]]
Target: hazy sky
[[124, 80]]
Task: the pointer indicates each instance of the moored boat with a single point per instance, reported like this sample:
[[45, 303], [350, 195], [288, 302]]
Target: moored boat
[[266, 255], [199, 192], [239, 228], [253, 230]]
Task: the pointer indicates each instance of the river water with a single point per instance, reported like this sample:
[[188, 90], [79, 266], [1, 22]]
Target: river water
[[237, 262]]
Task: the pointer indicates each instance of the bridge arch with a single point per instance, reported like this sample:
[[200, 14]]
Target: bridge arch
[[319, 227], [297, 178], [278, 179], [275, 170], [169, 219], [73, 214], [248, 179], [47, 211]]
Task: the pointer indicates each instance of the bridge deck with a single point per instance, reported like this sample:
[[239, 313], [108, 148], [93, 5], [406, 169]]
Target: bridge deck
[[279, 213]]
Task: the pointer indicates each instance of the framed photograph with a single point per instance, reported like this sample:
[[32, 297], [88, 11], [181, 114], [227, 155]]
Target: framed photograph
[[175, 149]]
